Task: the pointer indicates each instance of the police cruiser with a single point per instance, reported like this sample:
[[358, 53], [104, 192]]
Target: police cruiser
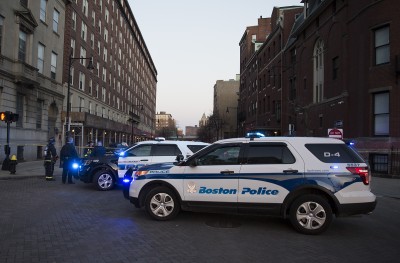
[[305, 179]]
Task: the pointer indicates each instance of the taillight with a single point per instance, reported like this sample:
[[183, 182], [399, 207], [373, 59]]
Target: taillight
[[360, 171]]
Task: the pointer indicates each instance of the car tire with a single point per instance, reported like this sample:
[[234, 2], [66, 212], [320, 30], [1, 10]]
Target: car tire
[[104, 180], [162, 204], [311, 214]]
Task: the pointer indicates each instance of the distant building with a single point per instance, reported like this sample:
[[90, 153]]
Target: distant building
[[225, 108], [191, 130], [116, 101], [165, 125], [203, 121], [261, 71]]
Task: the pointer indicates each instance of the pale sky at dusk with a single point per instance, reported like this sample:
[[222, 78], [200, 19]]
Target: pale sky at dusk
[[193, 44]]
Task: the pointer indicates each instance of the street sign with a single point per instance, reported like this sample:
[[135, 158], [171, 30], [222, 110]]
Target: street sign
[[335, 133]]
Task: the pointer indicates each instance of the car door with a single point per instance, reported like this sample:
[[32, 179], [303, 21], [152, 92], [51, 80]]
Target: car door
[[134, 157], [269, 171], [211, 179]]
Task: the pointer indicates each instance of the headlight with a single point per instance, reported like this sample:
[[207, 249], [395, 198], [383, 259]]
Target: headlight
[[140, 173], [75, 166]]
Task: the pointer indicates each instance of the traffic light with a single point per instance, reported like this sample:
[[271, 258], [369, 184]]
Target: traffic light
[[8, 116], [5, 116]]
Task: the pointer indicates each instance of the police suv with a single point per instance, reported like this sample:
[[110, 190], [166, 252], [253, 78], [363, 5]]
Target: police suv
[[158, 150], [307, 180]]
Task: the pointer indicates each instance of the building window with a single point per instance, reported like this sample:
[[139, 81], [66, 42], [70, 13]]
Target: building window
[[97, 91], [20, 109], [53, 65], [382, 46], [43, 4], [39, 114], [56, 16], [40, 61], [90, 107], [22, 46], [335, 67], [1, 31], [71, 77], [85, 7], [318, 93], [92, 40], [73, 47], [83, 55], [81, 104], [73, 20], [84, 31], [90, 86], [81, 81], [103, 94], [293, 56], [381, 114]]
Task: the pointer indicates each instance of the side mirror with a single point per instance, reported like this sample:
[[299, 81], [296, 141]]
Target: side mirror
[[179, 158]]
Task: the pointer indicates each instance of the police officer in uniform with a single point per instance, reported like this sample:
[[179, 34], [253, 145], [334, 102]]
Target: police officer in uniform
[[50, 158], [99, 150], [67, 156]]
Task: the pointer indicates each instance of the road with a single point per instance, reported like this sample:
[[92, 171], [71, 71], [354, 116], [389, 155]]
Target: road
[[43, 221]]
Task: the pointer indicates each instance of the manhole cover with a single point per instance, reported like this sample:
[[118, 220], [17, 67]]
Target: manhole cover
[[223, 223]]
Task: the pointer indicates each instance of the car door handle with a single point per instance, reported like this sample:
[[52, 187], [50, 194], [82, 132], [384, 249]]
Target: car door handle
[[144, 160], [227, 172], [290, 171]]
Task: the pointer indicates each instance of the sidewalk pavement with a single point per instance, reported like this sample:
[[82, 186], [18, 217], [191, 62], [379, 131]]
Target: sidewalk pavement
[[387, 187], [30, 169]]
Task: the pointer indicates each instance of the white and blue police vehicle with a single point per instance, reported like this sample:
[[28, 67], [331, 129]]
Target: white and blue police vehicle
[[158, 150], [305, 179]]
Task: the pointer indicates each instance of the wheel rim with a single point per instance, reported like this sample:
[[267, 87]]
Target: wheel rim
[[162, 205], [105, 181], [311, 215]]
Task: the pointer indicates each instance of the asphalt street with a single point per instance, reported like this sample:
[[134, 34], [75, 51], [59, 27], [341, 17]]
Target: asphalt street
[[43, 221]]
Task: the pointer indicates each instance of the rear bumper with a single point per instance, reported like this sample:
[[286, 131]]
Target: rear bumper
[[356, 208]]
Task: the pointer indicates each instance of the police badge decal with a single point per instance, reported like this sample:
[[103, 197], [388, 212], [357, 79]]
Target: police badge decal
[[192, 187]]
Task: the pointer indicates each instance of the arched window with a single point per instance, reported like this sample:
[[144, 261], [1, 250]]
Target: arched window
[[318, 91]]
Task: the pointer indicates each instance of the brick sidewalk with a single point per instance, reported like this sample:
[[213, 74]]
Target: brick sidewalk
[[30, 169]]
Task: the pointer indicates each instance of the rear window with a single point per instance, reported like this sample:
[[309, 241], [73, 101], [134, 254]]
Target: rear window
[[165, 150], [271, 153], [334, 153], [195, 148]]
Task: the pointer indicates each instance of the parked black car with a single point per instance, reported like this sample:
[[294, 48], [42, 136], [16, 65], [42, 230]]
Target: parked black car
[[103, 171]]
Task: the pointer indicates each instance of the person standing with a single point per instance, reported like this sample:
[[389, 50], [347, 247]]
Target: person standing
[[99, 150], [50, 159], [67, 156], [88, 150]]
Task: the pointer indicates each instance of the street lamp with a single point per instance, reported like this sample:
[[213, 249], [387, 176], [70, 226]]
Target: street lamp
[[134, 118], [89, 67]]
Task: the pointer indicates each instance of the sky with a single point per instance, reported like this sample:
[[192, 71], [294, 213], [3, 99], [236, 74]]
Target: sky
[[193, 44]]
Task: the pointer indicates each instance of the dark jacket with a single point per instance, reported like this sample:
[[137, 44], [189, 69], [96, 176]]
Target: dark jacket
[[98, 151], [68, 153], [51, 152]]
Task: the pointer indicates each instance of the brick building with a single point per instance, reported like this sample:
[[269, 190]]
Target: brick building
[[261, 69], [116, 101], [338, 68]]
